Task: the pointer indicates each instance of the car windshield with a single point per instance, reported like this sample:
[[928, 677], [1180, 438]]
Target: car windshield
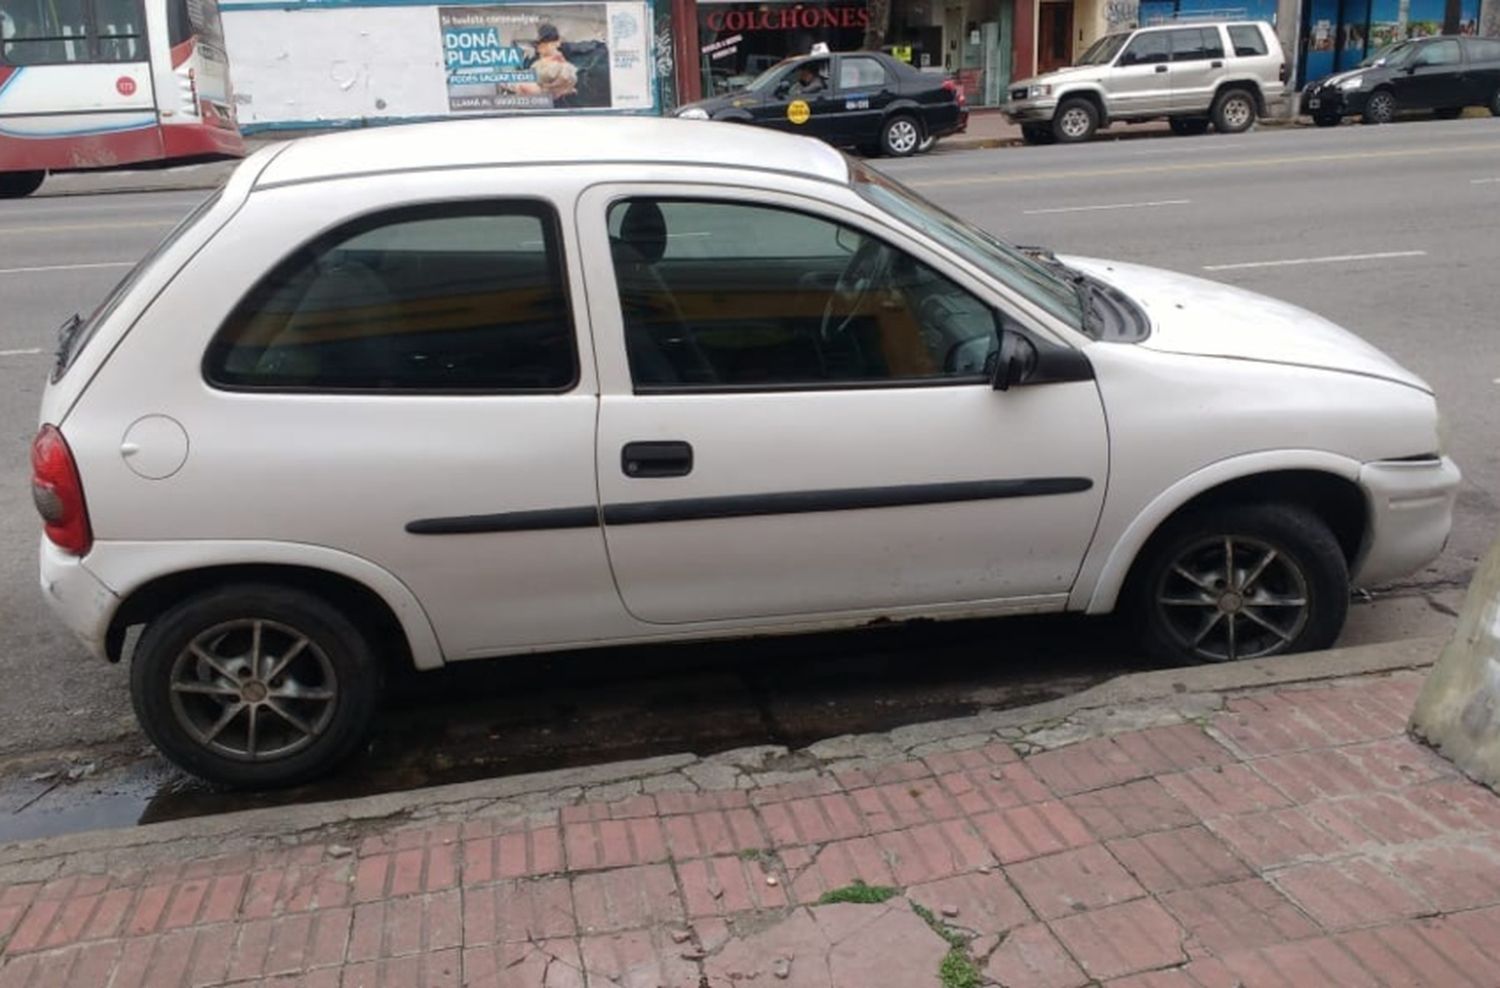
[[769, 76], [1392, 55], [1007, 264], [1104, 50]]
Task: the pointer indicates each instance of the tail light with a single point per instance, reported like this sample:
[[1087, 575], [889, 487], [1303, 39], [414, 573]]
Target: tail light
[[956, 90], [193, 90], [58, 493]]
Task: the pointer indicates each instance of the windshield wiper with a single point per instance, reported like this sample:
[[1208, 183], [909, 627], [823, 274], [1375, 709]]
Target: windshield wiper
[[65, 336], [1085, 290]]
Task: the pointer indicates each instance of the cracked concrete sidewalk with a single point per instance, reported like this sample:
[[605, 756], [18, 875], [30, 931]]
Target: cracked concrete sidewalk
[[1266, 823]]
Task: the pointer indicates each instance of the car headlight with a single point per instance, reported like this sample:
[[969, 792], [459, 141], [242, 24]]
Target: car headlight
[[1032, 92], [1349, 85], [693, 113]]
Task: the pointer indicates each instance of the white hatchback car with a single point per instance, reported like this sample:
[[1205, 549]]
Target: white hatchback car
[[496, 387]]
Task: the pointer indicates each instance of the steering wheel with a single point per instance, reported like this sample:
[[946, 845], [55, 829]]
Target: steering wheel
[[866, 269]]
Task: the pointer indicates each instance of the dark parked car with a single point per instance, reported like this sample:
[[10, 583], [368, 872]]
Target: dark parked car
[[865, 100], [1443, 74]]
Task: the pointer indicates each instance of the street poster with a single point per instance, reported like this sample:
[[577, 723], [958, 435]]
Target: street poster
[[546, 57]]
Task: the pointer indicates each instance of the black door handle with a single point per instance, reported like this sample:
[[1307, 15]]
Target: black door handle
[[1161, 68], [657, 459], [1216, 64]]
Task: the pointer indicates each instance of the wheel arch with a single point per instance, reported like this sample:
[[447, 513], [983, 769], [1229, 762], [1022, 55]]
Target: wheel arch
[[1325, 483], [373, 598], [1092, 95], [1251, 84]]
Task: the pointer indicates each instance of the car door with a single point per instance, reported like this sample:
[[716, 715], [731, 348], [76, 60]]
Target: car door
[[865, 89], [1482, 69], [1197, 64], [1433, 78], [1141, 80], [788, 108], [770, 448]]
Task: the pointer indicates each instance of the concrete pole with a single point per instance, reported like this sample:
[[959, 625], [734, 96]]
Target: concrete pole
[[1458, 711], [1288, 27]]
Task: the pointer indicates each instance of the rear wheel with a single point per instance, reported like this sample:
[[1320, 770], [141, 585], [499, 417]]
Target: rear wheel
[[1327, 119], [15, 185], [1448, 112], [1495, 103], [1241, 582], [928, 143], [1036, 134], [1234, 111], [1076, 120], [1188, 126], [1381, 108], [901, 136], [254, 685]]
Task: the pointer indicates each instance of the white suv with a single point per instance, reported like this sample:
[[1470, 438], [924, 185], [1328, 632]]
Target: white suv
[[1225, 73], [437, 393]]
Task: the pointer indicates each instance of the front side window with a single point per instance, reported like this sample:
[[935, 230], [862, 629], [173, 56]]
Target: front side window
[[737, 295], [1147, 49], [56, 32], [452, 297], [1441, 53], [861, 73], [1247, 40]]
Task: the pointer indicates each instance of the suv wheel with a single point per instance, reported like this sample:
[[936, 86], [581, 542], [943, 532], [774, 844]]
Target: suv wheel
[[1327, 119], [901, 136], [254, 685], [15, 185], [1234, 111], [1076, 120], [1381, 108], [1241, 582], [1036, 134], [1188, 126]]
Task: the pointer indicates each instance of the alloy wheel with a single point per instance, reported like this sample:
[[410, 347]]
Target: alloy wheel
[[902, 137], [1381, 108], [253, 690], [1230, 597]]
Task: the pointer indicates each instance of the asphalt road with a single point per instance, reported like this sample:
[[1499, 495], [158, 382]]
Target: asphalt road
[[1265, 210]]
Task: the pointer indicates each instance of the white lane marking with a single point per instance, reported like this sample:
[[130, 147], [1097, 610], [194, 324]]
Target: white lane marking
[[21, 353], [1483, 181], [67, 267], [1330, 259], [1112, 205], [81, 227]]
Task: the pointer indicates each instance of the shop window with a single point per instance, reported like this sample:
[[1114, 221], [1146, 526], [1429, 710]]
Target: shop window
[[1247, 40]]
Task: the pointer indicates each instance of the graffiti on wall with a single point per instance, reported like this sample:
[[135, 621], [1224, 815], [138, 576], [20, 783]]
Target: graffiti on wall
[[1121, 14]]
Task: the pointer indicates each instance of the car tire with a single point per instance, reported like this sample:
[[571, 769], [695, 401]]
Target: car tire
[[1234, 111], [1328, 119], [1448, 112], [901, 136], [1188, 126], [1380, 108], [17, 185], [208, 693], [1075, 121], [1036, 134], [1290, 593], [1495, 104], [928, 143]]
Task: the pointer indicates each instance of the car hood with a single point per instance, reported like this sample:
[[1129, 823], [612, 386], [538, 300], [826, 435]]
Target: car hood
[[1195, 316], [1369, 71], [1080, 73], [713, 104]]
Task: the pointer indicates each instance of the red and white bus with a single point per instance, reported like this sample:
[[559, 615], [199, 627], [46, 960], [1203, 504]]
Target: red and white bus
[[88, 84]]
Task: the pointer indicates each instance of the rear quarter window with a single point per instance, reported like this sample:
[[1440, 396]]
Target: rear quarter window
[[1248, 41]]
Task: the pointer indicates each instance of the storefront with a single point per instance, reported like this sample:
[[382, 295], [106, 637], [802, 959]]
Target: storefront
[[1338, 34], [738, 41]]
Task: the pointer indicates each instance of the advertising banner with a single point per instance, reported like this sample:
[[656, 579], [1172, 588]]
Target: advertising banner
[[545, 57]]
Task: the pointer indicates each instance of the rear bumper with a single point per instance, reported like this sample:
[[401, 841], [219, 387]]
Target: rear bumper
[[1411, 514], [77, 596]]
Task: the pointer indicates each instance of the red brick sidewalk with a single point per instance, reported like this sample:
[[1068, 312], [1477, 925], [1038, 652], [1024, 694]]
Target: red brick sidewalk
[[1294, 838]]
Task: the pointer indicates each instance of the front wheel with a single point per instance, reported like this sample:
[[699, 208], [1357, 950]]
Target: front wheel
[[900, 137], [1188, 126], [1241, 582], [1234, 111], [1381, 108], [16, 185], [1076, 121], [254, 685], [1327, 119]]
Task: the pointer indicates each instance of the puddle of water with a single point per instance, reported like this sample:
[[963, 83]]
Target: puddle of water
[[487, 720]]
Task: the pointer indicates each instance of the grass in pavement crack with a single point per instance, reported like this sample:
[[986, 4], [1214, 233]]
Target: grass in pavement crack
[[958, 969], [858, 892]]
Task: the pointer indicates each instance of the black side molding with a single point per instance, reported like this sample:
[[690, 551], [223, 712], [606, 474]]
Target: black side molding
[[843, 499], [510, 521]]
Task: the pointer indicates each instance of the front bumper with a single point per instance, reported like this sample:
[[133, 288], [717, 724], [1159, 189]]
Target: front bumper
[[77, 596], [1332, 100], [1411, 514], [1029, 110]]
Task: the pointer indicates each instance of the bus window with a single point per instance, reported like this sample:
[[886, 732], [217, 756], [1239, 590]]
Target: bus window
[[43, 32], [119, 31]]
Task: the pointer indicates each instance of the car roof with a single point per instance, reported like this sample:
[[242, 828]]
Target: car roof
[[551, 140]]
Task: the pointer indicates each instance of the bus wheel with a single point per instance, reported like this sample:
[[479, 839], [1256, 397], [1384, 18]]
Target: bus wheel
[[14, 185]]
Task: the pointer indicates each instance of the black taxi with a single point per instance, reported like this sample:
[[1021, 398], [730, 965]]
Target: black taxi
[[866, 100]]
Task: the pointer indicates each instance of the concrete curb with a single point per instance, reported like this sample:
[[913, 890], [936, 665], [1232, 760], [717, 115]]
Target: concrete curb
[[1111, 706]]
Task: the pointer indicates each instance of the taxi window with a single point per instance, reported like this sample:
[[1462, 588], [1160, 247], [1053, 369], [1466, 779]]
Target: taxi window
[[861, 73]]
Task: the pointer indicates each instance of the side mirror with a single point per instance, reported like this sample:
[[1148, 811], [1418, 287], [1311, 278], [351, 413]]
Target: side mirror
[[1015, 359], [1412, 68]]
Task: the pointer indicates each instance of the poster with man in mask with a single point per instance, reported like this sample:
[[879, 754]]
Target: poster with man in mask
[[530, 58]]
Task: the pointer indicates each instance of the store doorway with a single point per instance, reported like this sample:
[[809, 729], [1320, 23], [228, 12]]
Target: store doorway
[[1055, 36]]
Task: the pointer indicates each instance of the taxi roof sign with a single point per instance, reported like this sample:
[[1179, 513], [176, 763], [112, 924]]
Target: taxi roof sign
[[821, 48]]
